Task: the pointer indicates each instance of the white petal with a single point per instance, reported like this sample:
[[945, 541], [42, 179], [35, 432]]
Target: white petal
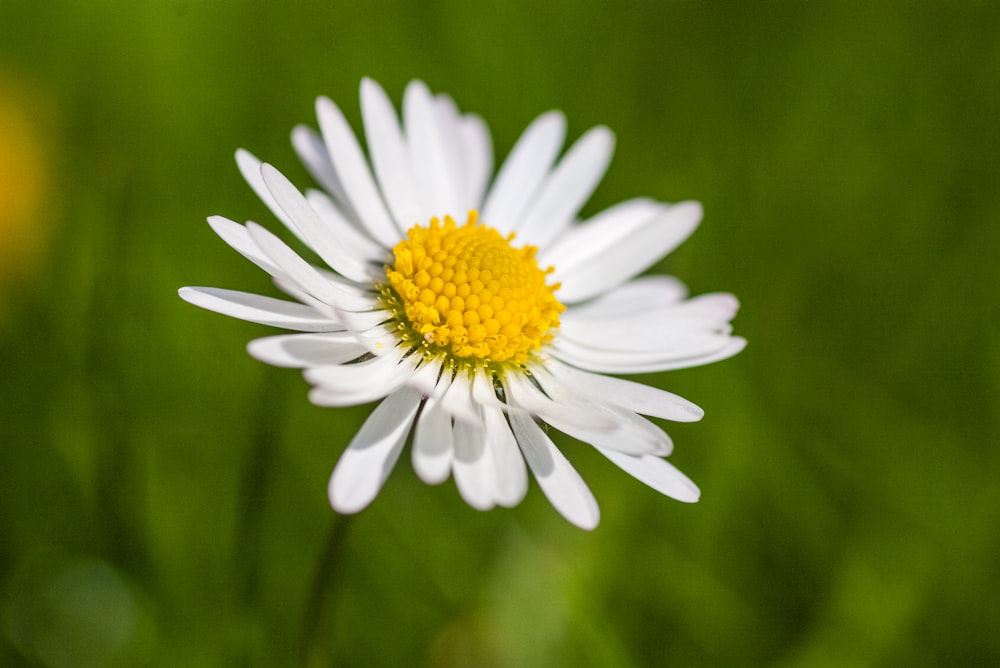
[[311, 227], [598, 423], [684, 326], [645, 339], [605, 361], [567, 188], [635, 431], [580, 243], [239, 240], [483, 390], [658, 473], [291, 288], [260, 309], [715, 306], [614, 264], [560, 411], [560, 482], [390, 156], [628, 394], [457, 399], [433, 172], [523, 172], [472, 466], [353, 384], [305, 275], [366, 290], [644, 294], [352, 168], [478, 158], [370, 330], [706, 312], [366, 372], [368, 460], [427, 377], [450, 124], [250, 169], [432, 444], [299, 351], [312, 152], [614, 356], [356, 243], [509, 471]]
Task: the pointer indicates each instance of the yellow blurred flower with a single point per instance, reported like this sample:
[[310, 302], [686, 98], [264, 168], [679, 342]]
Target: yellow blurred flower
[[24, 178]]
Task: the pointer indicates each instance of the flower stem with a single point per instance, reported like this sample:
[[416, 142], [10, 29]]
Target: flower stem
[[314, 649]]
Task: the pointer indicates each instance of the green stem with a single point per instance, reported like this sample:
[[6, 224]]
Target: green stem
[[315, 650]]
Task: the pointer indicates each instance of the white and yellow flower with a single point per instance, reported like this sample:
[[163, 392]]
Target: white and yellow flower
[[474, 307]]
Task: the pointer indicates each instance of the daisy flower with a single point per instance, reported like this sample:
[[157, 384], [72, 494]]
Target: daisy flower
[[476, 308]]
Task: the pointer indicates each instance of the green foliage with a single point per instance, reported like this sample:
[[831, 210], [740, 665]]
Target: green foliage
[[162, 495]]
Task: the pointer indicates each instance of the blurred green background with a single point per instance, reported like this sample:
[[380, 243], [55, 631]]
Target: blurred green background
[[162, 495]]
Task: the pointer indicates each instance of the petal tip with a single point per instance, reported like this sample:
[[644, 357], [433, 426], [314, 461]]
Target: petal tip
[[369, 88], [588, 523], [344, 504], [604, 134], [686, 492], [693, 497], [695, 415], [325, 108]]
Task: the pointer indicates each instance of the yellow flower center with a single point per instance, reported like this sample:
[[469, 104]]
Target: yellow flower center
[[465, 293]]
